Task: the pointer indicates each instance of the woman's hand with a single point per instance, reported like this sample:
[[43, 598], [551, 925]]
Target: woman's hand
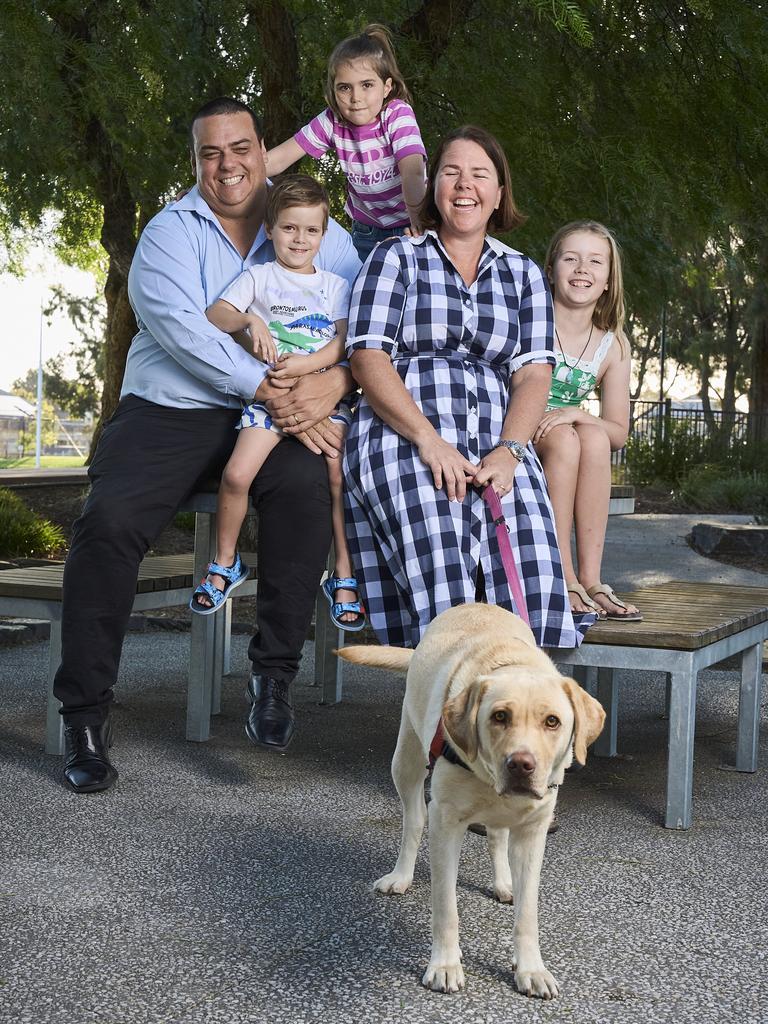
[[497, 469], [448, 466], [555, 418]]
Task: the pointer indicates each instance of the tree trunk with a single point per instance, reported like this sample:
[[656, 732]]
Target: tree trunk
[[281, 99], [118, 237], [434, 24], [758, 390]]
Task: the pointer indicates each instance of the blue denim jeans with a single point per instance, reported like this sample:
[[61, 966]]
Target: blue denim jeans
[[365, 237]]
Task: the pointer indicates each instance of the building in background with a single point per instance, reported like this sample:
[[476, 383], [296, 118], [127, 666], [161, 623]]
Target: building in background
[[61, 434]]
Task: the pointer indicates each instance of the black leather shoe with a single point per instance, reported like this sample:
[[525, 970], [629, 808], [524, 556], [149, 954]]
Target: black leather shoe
[[270, 721], [87, 767]]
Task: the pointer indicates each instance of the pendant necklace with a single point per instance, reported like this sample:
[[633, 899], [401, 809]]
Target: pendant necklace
[[571, 368]]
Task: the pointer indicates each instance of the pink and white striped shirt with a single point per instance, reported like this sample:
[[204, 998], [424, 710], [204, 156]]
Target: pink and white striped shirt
[[368, 155]]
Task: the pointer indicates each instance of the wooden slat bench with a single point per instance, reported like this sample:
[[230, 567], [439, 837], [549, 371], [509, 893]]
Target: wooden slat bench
[[163, 581], [686, 627], [166, 581]]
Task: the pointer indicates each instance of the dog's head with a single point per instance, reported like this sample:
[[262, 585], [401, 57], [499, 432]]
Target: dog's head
[[523, 724]]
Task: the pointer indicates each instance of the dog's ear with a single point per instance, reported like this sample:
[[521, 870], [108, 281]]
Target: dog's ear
[[460, 717], [588, 718]]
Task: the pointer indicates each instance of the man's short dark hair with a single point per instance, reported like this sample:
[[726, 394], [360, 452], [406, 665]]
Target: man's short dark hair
[[224, 105]]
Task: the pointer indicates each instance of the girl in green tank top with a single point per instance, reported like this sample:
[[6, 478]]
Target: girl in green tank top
[[583, 265]]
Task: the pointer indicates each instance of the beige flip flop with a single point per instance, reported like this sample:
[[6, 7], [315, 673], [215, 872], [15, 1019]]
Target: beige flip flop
[[610, 593], [577, 589]]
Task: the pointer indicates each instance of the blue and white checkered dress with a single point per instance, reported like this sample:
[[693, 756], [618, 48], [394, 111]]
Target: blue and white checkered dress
[[454, 345]]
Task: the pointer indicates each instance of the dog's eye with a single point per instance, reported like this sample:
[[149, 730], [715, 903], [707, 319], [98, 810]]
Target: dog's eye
[[499, 716], [552, 722]]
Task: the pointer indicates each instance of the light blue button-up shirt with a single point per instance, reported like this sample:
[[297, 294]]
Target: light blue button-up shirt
[[183, 262]]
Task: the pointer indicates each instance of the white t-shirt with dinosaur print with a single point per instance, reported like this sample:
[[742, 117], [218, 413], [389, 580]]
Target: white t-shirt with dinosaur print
[[300, 310]]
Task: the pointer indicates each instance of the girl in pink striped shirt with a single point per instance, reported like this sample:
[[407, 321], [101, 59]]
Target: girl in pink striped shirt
[[370, 124]]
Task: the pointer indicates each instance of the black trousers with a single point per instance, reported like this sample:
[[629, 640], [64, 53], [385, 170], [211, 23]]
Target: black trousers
[[149, 459]]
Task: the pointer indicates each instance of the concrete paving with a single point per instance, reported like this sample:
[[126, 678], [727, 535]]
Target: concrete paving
[[218, 884]]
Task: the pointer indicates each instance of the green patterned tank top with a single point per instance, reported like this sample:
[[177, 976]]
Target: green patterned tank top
[[573, 383]]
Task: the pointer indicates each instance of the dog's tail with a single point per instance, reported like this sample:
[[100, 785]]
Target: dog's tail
[[396, 659]]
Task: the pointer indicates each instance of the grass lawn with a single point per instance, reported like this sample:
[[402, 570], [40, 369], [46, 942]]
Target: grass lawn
[[46, 462]]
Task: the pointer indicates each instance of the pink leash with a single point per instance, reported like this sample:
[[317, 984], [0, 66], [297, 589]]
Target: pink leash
[[491, 499]]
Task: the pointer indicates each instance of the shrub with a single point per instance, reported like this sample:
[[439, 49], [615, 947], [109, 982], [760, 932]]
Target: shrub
[[717, 488], [185, 521], [651, 460], [23, 534]]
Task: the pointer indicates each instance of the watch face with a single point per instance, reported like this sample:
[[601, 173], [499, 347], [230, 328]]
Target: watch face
[[517, 449]]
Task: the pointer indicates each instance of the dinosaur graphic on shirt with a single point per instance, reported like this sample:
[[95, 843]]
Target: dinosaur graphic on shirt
[[290, 337]]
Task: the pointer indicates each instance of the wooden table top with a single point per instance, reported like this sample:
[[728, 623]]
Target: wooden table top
[[684, 616]]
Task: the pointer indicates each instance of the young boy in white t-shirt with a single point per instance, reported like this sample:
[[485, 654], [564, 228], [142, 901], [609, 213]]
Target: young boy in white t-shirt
[[295, 317]]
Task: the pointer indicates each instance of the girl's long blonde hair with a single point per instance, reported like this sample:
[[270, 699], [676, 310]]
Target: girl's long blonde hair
[[374, 44], [609, 312]]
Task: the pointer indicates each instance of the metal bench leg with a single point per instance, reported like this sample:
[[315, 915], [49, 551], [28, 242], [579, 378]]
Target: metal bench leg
[[220, 634], [608, 695], [54, 727], [226, 652], [586, 677], [202, 646], [749, 709], [682, 727], [327, 666]]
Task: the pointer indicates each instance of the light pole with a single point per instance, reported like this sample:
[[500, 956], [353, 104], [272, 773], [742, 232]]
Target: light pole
[[39, 427]]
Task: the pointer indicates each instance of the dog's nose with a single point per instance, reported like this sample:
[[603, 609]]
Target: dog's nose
[[522, 762]]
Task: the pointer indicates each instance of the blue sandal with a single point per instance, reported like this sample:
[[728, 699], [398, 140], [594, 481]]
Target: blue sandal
[[330, 586], [234, 574]]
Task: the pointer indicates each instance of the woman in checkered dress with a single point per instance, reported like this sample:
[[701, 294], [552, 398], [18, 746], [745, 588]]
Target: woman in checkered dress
[[451, 338]]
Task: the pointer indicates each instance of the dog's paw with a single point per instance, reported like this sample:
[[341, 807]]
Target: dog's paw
[[444, 977], [503, 893], [393, 883], [536, 983]]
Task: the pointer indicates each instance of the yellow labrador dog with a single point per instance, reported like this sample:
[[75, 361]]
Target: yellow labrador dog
[[516, 725]]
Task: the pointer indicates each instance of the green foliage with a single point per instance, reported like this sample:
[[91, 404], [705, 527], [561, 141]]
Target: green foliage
[[650, 117], [185, 521], [652, 460], [79, 394], [46, 462], [23, 534], [26, 387], [720, 488]]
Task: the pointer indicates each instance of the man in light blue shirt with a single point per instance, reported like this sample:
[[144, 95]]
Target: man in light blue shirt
[[183, 388]]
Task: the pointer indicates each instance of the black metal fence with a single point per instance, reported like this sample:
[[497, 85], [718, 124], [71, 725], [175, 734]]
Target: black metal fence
[[658, 422]]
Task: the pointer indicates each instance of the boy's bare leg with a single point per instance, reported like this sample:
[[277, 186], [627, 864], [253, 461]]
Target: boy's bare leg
[[251, 450], [343, 561]]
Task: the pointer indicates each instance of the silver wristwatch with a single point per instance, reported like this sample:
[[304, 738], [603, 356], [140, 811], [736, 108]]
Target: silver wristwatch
[[517, 449]]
